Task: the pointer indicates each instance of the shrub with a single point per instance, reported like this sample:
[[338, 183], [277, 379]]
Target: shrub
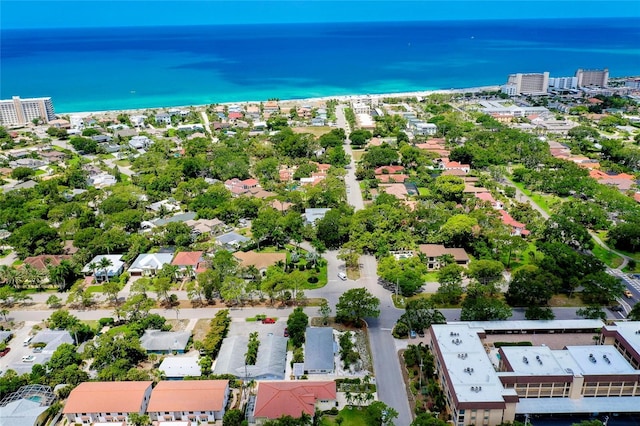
[[312, 279], [501, 344], [106, 321], [301, 267]]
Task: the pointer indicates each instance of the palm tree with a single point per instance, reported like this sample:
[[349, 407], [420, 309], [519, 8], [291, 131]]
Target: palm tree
[[93, 266], [104, 264], [33, 276], [10, 276], [4, 313]]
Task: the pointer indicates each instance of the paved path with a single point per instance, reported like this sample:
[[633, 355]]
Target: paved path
[[387, 368], [207, 124]]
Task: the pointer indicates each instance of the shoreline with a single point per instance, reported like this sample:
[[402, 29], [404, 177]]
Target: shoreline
[[340, 98]]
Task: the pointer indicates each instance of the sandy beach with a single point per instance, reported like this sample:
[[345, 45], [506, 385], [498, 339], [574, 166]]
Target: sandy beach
[[341, 98]]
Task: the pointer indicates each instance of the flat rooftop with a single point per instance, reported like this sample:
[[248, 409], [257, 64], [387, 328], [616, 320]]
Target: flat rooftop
[[600, 359], [533, 360], [526, 325], [615, 404], [630, 331], [469, 368]]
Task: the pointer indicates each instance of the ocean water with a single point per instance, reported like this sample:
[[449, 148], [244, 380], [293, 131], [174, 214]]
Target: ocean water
[[123, 68]]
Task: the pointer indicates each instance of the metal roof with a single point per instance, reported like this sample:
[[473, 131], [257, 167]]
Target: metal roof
[[318, 349], [157, 340]]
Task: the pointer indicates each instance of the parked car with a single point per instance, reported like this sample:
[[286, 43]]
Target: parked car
[[342, 276], [628, 294], [28, 358], [268, 321], [37, 350], [421, 333], [413, 334], [5, 351], [616, 308]]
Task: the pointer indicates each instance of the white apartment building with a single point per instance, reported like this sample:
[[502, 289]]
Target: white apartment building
[[21, 111], [563, 83], [529, 84]]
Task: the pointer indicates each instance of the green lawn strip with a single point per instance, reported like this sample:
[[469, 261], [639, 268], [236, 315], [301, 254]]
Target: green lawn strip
[[357, 154], [562, 301], [430, 277], [95, 289], [541, 200], [608, 257], [350, 417], [423, 191]]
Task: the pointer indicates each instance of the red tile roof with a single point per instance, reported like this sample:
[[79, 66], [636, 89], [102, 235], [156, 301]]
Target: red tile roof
[[276, 399], [42, 261], [508, 220], [106, 397], [392, 178], [185, 258], [388, 169], [188, 395]]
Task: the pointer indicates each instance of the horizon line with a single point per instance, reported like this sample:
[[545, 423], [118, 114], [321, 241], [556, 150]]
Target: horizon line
[[223, 24]]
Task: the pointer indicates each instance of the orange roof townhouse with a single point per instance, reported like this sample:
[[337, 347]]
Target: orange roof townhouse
[[195, 401], [102, 402], [292, 398]]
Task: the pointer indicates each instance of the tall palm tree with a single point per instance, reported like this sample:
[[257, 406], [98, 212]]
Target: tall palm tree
[[94, 267], [104, 264], [10, 276]]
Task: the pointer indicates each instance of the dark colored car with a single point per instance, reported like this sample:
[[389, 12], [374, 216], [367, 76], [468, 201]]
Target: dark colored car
[[421, 333], [616, 308], [5, 351]]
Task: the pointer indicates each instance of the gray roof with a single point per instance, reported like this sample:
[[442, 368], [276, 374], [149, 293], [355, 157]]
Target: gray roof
[[232, 238], [5, 335], [21, 412], [311, 215], [616, 404], [271, 362], [157, 340], [318, 349], [181, 217], [53, 339], [180, 366]]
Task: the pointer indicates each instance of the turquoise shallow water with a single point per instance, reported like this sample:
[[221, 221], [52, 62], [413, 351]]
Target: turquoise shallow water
[[100, 69]]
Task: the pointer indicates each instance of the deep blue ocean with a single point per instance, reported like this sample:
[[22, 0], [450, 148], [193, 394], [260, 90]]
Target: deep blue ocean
[[122, 68]]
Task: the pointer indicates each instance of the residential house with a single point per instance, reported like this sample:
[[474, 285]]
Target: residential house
[[394, 178], [488, 198], [238, 187], [419, 127], [28, 184], [163, 118], [179, 367], [207, 227], [434, 253], [140, 142], [93, 402], [446, 164], [398, 190], [232, 241], [101, 180], [517, 228], [270, 365], [260, 260], [388, 170], [24, 412], [168, 206], [137, 120], [102, 138], [60, 123], [271, 107], [189, 263], [622, 181], [30, 163], [292, 398], [178, 217], [165, 342], [148, 264], [51, 339], [314, 214], [319, 350], [196, 401], [115, 267], [281, 206], [44, 261]]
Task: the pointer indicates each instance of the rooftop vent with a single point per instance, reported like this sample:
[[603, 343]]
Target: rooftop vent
[[525, 360]]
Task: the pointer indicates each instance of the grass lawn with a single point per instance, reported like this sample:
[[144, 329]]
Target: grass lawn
[[94, 324], [544, 201], [123, 163], [423, 191], [353, 273], [350, 417], [314, 130], [74, 162], [105, 156], [562, 300], [528, 256], [95, 289], [40, 172], [430, 277], [611, 259], [357, 154]]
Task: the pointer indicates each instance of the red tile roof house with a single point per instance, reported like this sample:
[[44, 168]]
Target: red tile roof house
[[239, 187], [44, 260], [93, 402], [292, 398], [395, 178], [487, 197], [195, 401], [388, 170], [517, 228], [186, 260]]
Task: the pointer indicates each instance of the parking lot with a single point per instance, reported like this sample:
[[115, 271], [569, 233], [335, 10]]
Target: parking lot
[[18, 350], [241, 327]]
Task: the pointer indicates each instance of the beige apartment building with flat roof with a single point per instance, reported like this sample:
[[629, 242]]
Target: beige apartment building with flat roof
[[17, 111], [528, 84], [587, 78]]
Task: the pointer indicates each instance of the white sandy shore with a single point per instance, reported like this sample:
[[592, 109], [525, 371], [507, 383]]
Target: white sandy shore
[[341, 98]]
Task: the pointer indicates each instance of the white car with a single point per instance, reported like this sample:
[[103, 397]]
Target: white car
[[28, 358], [342, 276]]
